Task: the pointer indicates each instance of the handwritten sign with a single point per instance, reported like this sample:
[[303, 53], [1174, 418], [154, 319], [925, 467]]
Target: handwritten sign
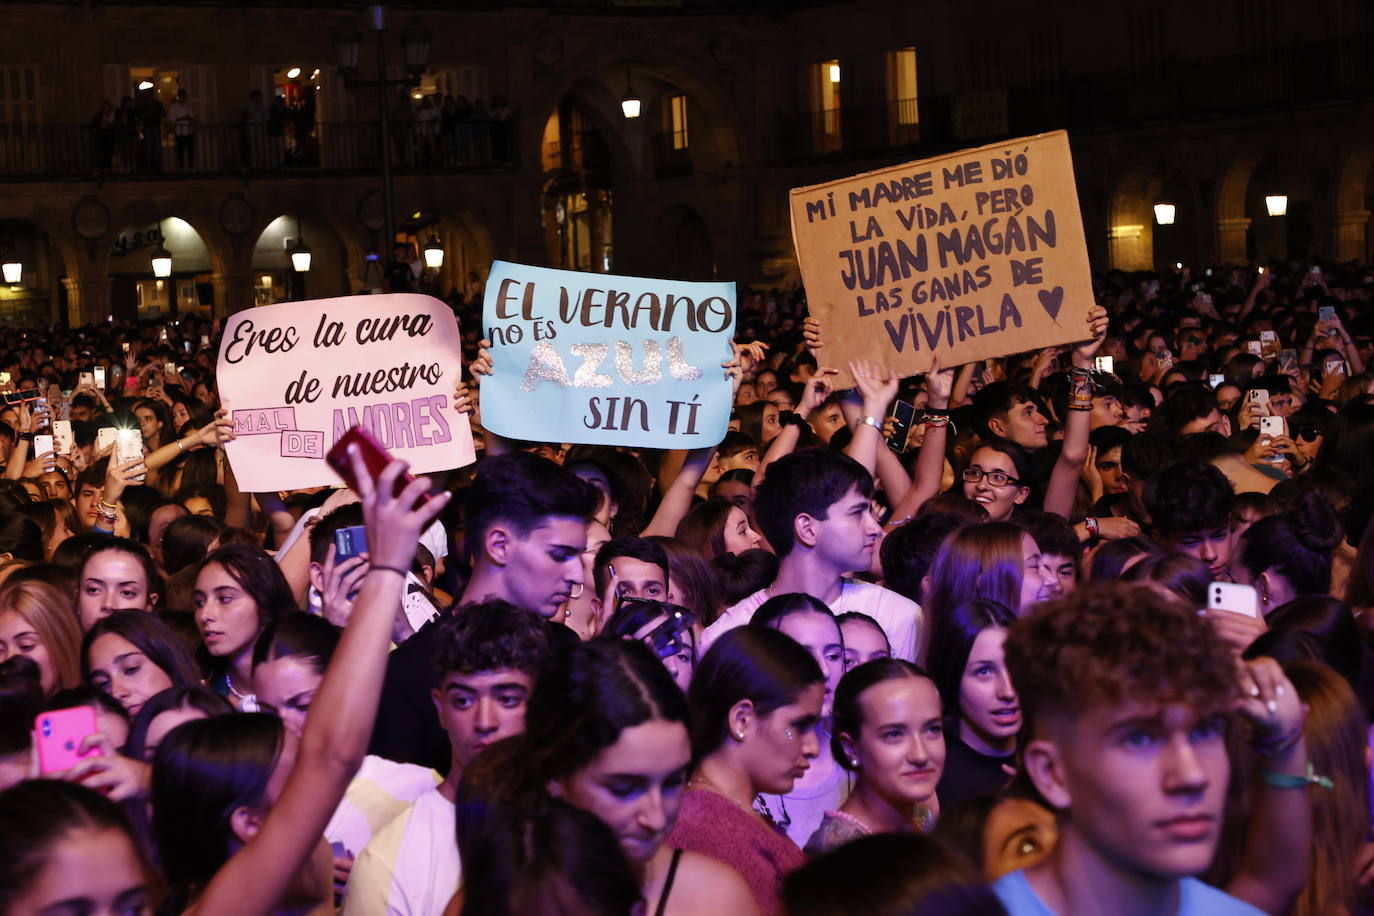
[[296, 376], [595, 358], [973, 255]]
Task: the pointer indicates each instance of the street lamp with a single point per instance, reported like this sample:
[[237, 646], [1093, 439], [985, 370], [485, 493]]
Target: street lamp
[[1164, 213], [629, 102], [415, 41], [1276, 204], [162, 262], [14, 272], [300, 256], [434, 252]]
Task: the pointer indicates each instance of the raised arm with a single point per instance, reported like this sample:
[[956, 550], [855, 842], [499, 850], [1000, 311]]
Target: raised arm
[[677, 499], [220, 429], [342, 714], [1064, 478], [878, 388], [930, 463], [785, 442]]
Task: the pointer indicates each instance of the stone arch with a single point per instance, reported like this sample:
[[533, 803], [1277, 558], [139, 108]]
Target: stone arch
[[1351, 215], [1130, 229], [47, 260], [199, 249], [329, 274], [1232, 222]]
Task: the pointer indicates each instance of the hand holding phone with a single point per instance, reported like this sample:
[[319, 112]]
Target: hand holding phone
[[904, 414], [98, 377], [349, 543], [375, 458], [1228, 596], [128, 446], [58, 736]]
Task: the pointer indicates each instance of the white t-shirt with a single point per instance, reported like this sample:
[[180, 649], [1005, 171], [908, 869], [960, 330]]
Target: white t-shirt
[[381, 791], [900, 618], [411, 867]]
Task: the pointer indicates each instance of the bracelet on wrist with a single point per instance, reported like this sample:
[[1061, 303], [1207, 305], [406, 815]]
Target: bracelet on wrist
[[1093, 527], [113, 507], [937, 411], [869, 420], [1266, 747], [935, 421], [1289, 781]]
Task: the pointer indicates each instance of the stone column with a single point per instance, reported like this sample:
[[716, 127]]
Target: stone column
[[1349, 229], [1231, 240], [88, 299], [233, 293]]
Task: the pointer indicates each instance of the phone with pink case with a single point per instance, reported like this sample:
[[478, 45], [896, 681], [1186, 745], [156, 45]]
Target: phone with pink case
[[58, 735]]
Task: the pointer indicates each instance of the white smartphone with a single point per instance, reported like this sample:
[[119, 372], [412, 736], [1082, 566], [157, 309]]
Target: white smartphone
[[42, 445], [1271, 426], [1269, 337], [128, 447], [1103, 364], [87, 378], [99, 375], [62, 436], [1216, 380], [1253, 347], [1336, 367], [105, 439], [1238, 599]]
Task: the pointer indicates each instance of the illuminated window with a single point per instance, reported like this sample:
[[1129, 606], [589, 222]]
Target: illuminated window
[[677, 121], [825, 106]]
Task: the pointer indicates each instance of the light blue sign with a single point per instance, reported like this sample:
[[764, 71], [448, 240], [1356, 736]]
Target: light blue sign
[[595, 358]]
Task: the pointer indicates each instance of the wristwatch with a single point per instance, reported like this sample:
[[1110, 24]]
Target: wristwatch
[[1091, 524], [871, 421]]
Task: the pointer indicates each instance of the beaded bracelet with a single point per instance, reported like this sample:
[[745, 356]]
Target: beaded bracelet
[[937, 411]]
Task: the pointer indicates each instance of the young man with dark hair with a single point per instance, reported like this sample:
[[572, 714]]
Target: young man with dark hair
[[1190, 508], [1127, 697], [910, 548], [815, 509], [628, 567], [1060, 548], [1192, 408], [1011, 410], [487, 657], [525, 526]]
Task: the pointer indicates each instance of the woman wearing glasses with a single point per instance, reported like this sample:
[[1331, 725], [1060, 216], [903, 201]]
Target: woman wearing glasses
[[998, 478]]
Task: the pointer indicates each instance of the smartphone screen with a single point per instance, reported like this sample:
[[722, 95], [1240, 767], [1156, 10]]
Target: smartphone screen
[[58, 735], [1326, 313], [904, 414], [99, 377], [128, 447], [1215, 380], [1104, 364]]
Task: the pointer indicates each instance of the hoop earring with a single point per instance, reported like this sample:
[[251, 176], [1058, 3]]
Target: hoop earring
[[577, 593]]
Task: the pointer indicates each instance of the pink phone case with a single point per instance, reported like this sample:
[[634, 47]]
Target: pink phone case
[[59, 734]]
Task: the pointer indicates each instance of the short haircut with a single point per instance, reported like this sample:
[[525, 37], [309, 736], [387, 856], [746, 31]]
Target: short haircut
[[996, 400], [636, 548], [1189, 496], [1107, 643], [909, 550], [322, 532], [1051, 533], [1106, 438], [1185, 403], [739, 575], [1145, 454], [490, 635], [734, 443], [523, 490], [809, 481]]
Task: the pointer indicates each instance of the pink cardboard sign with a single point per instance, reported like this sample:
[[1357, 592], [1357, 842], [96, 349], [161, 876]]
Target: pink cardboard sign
[[297, 375]]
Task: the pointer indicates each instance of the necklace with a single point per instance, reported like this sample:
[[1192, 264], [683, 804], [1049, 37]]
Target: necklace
[[248, 702], [759, 808]]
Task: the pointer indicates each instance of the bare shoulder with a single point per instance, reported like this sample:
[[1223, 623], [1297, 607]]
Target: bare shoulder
[[710, 887]]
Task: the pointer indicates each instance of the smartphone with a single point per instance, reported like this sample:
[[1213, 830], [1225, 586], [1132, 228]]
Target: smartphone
[[1104, 364], [5, 378], [1287, 359], [186, 346], [1253, 347], [87, 378], [205, 340], [1216, 380], [125, 345], [1316, 269], [99, 377], [58, 735], [1336, 367], [20, 397], [1259, 404], [62, 436], [1326, 313], [1271, 426], [1261, 270], [155, 380], [42, 445], [128, 446], [162, 335], [1269, 337], [171, 368], [1238, 599], [904, 414], [105, 438], [349, 543], [1166, 359], [375, 459]]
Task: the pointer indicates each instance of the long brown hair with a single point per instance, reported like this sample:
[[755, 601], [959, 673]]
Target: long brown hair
[[1337, 734]]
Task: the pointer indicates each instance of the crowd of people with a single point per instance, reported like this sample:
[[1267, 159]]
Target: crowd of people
[[1082, 630]]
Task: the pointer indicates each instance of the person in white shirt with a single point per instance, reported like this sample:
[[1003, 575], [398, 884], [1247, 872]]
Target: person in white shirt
[[815, 509], [488, 657], [184, 130]]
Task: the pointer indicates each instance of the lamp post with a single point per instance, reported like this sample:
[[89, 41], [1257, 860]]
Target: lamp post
[[415, 40]]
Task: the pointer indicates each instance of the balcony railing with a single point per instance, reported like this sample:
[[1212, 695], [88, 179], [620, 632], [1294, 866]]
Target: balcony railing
[[83, 151]]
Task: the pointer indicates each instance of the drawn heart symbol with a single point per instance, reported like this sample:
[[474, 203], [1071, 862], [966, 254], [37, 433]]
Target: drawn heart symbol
[[1052, 300]]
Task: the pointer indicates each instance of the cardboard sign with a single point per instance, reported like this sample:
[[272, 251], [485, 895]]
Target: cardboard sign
[[296, 376], [973, 255], [595, 358]]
